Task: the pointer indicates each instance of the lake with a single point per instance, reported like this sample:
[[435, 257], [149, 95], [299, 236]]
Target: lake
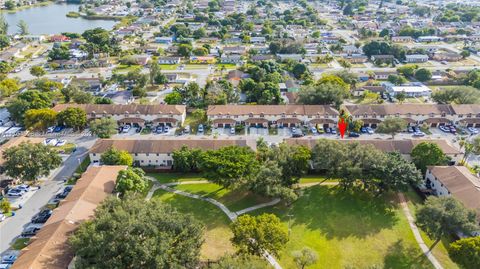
[[51, 19]]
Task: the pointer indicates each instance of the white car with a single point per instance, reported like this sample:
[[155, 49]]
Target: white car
[[232, 130], [369, 130], [15, 193], [126, 128], [418, 134], [314, 130], [50, 142], [60, 143], [23, 187], [472, 130], [50, 129], [2, 217]]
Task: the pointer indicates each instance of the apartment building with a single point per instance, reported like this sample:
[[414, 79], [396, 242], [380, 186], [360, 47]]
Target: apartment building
[[158, 152], [133, 114], [456, 181], [272, 115], [49, 249]]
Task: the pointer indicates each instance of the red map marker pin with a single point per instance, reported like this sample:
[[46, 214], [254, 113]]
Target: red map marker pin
[[342, 127]]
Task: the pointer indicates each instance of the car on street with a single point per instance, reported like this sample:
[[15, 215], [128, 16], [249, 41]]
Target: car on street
[[50, 142], [15, 193], [9, 259], [64, 193], [297, 134], [30, 231], [42, 217], [58, 129], [50, 129], [23, 187], [418, 134], [232, 130], [2, 217], [60, 143], [353, 134], [126, 128], [200, 128], [187, 129]]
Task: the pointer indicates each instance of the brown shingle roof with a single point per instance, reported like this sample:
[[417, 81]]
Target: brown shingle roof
[[402, 109], [114, 109], [167, 145], [460, 183], [271, 109], [466, 109], [402, 146], [49, 249]]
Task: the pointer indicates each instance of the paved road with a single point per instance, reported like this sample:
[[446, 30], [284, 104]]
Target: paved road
[[12, 227]]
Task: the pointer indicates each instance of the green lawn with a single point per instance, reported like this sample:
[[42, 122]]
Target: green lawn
[[315, 179], [175, 177], [217, 230], [168, 66], [440, 251], [349, 230], [126, 68], [20, 243]]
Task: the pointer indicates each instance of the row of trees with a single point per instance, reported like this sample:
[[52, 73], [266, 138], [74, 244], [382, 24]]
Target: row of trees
[[41, 119]]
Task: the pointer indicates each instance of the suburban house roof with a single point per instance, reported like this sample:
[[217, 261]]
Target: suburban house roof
[[402, 109], [49, 249], [271, 110], [460, 183], [167, 145], [466, 109], [402, 146], [114, 109]]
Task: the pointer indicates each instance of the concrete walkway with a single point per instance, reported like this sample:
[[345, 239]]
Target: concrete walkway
[[231, 215], [416, 232]]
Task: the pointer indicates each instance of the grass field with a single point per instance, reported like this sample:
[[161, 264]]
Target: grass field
[[217, 232], [175, 177], [349, 230], [440, 251], [20, 243], [168, 66]]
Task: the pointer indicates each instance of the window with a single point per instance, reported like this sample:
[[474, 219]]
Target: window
[[147, 154], [158, 154], [136, 154], [94, 154]]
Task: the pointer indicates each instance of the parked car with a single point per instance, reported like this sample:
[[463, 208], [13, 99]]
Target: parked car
[[320, 129], [353, 134], [15, 193], [232, 130], [297, 134], [370, 130], [2, 217], [444, 129], [187, 129], [9, 259], [50, 142], [23, 187], [64, 193], [50, 129], [60, 143], [166, 129], [363, 130], [200, 128], [328, 130], [30, 231], [126, 128], [42, 217], [159, 129], [472, 130], [5, 266], [419, 134], [138, 129], [333, 131], [314, 130], [410, 129], [294, 129], [58, 129]]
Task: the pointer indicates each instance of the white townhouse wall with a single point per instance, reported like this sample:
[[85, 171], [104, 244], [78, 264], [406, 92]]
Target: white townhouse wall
[[158, 152], [271, 115], [430, 114], [133, 114], [456, 181]]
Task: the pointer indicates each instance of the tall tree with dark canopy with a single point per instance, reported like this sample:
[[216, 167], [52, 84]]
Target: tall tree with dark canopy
[[134, 233], [466, 252], [425, 154], [392, 126], [116, 157], [29, 161]]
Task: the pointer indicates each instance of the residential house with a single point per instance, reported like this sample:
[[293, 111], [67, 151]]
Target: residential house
[[382, 58], [402, 39], [447, 56], [294, 57], [89, 84], [169, 60], [429, 39], [414, 89], [164, 40], [158, 152], [231, 59], [271, 115], [416, 58], [59, 38], [133, 114], [239, 50], [383, 75], [257, 40], [361, 90], [202, 59], [259, 58], [356, 58]]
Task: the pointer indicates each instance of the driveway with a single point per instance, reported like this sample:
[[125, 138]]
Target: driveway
[[12, 227]]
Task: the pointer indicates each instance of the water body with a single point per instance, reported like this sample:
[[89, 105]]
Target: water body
[[51, 19]]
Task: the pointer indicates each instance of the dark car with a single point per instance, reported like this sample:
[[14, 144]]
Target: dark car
[[353, 134], [297, 134], [64, 193], [138, 130], [42, 217], [30, 231], [363, 130], [58, 129]]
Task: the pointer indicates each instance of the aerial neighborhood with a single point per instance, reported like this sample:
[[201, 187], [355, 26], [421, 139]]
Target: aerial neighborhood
[[231, 134]]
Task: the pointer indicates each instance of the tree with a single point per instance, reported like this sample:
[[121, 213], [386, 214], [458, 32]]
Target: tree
[[348, 10], [131, 180], [132, 232], [305, 257], [184, 50], [466, 251], [4, 41], [256, 234], [29, 161], [321, 94], [3, 25], [229, 166], [423, 74], [426, 154], [73, 117], [9, 86], [104, 127], [268, 182], [173, 98], [39, 119], [37, 71], [401, 96], [456, 96], [440, 216], [31, 99], [344, 63], [407, 70], [22, 28], [397, 174], [154, 71], [392, 126], [465, 53], [5, 206], [114, 156], [82, 97], [299, 69], [186, 160]]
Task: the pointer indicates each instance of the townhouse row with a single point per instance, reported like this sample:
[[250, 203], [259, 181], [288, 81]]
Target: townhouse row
[[157, 153]]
